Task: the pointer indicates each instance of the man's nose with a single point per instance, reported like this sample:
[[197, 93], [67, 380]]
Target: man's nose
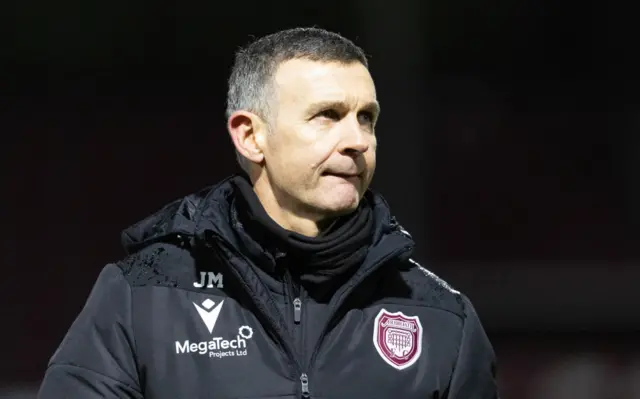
[[355, 141]]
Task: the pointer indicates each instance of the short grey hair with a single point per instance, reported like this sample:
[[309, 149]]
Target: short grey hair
[[250, 82]]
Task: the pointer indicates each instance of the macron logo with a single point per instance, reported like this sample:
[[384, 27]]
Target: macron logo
[[208, 313]]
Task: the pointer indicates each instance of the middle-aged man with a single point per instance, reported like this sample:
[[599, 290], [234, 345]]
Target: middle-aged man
[[291, 281]]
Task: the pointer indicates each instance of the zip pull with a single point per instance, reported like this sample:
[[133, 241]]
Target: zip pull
[[304, 380], [297, 310]]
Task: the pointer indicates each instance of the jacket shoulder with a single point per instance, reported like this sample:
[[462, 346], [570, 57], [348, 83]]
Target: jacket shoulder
[[160, 264], [428, 289]]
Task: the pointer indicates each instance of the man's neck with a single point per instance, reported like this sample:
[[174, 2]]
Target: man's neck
[[286, 217]]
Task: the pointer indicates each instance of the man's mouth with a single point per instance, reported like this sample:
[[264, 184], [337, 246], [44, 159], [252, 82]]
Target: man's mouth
[[343, 175]]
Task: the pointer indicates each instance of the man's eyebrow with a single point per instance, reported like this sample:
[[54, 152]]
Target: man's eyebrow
[[372, 106]]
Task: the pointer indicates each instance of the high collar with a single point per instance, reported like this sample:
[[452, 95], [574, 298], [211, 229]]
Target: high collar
[[332, 256], [212, 215]]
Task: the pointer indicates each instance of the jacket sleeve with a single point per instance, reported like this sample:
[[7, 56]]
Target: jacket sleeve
[[96, 358], [474, 375]]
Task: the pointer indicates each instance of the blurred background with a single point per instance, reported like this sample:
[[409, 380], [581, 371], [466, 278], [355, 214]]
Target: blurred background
[[509, 148]]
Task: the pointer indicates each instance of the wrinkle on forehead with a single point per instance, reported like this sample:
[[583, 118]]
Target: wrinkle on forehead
[[303, 82]]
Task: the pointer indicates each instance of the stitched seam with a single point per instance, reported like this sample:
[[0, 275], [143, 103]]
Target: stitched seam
[[133, 332], [455, 365]]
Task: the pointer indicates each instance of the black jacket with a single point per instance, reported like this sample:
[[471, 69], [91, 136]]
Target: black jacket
[[188, 315]]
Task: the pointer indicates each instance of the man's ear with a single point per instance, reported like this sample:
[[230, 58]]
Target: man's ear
[[247, 132]]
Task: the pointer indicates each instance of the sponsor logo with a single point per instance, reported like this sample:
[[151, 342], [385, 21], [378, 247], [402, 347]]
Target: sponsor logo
[[397, 338], [209, 313], [217, 346]]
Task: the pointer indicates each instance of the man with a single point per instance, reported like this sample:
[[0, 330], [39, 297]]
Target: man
[[291, 281]]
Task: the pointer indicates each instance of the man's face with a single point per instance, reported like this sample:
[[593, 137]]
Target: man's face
[[321, 154]]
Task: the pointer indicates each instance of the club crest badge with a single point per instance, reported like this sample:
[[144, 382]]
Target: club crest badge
[[398, 338]]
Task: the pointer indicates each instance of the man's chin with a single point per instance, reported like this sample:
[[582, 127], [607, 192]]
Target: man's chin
[[334, 202], [342, 207]]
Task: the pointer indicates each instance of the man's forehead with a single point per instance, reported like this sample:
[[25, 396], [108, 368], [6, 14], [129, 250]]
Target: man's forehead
[[312, 81]]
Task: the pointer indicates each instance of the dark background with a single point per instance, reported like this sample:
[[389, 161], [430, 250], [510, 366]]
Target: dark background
[[509, 148]]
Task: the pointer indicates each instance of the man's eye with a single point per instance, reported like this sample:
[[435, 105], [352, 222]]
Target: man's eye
[[329, 114], [365, 118]]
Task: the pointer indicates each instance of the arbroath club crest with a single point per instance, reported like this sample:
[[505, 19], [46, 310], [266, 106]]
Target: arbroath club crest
[[398, 338]]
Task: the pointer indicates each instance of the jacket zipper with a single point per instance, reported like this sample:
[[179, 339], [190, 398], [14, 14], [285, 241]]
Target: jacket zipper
[[304, 383], [358, 279], [295, 296], [299, 336], [284, 338], [297, 310]]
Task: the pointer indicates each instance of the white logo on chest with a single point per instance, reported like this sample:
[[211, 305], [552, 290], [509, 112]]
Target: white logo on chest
[[217, 346]]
